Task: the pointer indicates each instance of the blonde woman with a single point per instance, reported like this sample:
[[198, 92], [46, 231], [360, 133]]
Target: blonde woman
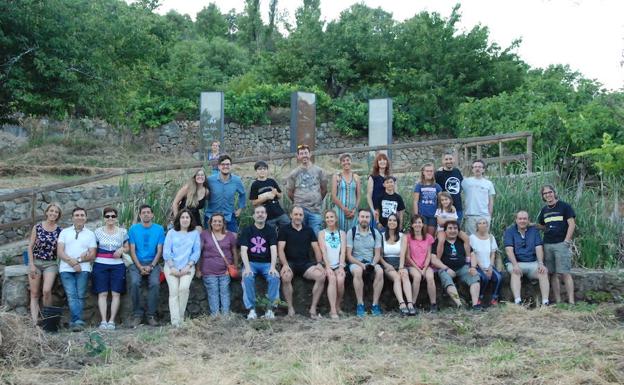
[[333, 244], [192, 196], [42, 259], [426, 198]]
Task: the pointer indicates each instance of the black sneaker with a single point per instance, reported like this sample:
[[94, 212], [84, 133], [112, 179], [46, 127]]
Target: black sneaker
[[477, 307], [433, 308]]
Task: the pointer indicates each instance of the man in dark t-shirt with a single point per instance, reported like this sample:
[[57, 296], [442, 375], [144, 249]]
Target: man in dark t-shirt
[[258, 244], [265, 191], [294, 244], [558, 221], [389, 203], [452, 263], [449, 178]]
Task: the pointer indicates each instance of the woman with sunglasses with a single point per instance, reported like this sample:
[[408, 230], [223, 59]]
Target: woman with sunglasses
[[333, 244], [109, 270], [192, 196], [42, 259]]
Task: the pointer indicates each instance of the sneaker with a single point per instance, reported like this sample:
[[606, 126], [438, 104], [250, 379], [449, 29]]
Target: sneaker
[[360, 311], [477, 307], [103, 325], [252, 314], [269, 314], [136, 321], [76, 327], [110, 326], [376, 310], [494, 302], [433, 308], [151, 321], [411, 309]]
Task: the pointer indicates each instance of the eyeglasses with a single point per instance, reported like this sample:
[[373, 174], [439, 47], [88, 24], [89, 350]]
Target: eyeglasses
[[225, 164], [547, 192], [110, 216]]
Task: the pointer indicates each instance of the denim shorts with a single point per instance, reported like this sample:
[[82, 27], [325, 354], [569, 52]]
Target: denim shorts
[[107, 278]]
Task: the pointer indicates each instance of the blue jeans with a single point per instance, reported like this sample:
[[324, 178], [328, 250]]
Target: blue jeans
[[136, 279], [312, 220], [496, 279], [278, 222], [75, 286], [218, 292], [249, 284]]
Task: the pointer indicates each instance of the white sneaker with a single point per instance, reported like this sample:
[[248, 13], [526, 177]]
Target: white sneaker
[[103, 325], [252, 314], [110, 326], [269, 314]]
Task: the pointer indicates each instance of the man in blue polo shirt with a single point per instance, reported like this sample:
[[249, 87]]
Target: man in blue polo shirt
[[146, 245], [225, 187], [525, 256]]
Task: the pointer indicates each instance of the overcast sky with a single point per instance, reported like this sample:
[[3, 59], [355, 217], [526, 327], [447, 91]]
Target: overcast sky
[[586, 34]]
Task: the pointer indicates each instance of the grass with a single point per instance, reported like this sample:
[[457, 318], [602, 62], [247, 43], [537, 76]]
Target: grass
[[511, 345]]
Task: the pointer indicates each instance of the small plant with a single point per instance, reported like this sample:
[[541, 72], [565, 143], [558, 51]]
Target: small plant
[[96, 346]]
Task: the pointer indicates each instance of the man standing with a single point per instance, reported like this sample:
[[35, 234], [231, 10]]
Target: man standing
[[450, 178], [363, 255], [258, 244], [225, 190], [76, 249], [452, 263], [525, 256], [479, 193], [557, 219], [146, 246], [294, 243], [306, 186]]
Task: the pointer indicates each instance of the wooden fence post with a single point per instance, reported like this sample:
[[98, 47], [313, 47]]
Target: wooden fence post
[[529, 160]]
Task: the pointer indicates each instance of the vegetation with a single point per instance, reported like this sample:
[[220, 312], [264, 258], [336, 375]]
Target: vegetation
[[138, 69]]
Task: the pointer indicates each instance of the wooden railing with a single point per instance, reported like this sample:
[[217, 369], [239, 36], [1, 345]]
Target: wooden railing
[[460, 144]]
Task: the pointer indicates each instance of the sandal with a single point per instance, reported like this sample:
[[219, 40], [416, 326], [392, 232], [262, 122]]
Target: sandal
[[316, 316], [411, 309], [403, 309], [333, 316]]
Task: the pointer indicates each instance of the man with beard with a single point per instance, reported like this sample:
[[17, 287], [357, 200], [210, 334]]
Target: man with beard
[[449, 178]]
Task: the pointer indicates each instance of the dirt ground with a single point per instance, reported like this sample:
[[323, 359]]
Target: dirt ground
[[508, 345]]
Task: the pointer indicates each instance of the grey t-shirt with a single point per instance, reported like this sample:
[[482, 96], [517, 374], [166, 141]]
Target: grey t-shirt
[[363, 244], [307, 184]]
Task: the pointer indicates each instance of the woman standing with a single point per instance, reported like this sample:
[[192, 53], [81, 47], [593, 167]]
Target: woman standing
[[375, 185], [484, 246], [192, 196], [218, 245], [180, 252], [394, 248], [42, 260], [333, 244], [419, 243], [346, 194], [109, 270], [426, 198]]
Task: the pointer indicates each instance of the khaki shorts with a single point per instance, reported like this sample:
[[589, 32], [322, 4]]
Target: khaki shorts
[[46, 266], [557, 257], [529, 269], [463, 274]]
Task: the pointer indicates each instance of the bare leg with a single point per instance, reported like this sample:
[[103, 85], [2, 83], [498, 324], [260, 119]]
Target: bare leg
[[114, 306], [103, 305], [569, 285], [48, 283], [340, 288], [544, 287], [416, 278], [407, 286], [475, 288], [452, 292], [318, 276], [331, 293], [396, 286], [431, 288], [358, 284], [34, 283], [287, 289], [556, 287], [377, 284], [515, 285]]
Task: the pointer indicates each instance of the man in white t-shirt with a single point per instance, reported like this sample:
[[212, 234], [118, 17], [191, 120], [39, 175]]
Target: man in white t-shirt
[[76, 249], [479, 197]]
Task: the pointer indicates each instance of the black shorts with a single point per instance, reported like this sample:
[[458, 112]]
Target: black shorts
[[299, 268]]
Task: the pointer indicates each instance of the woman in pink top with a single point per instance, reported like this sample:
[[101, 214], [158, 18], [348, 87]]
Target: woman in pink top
[[419, 244]]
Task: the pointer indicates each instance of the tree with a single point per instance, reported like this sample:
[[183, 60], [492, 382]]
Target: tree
[[211, 23]]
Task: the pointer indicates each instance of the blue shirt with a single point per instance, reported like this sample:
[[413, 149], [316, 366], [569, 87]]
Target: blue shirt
[[222, 195], [524, 247], [181, 248], [146, 240], [427, 198]]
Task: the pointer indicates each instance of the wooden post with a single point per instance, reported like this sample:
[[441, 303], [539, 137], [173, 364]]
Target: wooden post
[[500, 156], [33, 209], [478, 151], [529, 160], [466, 155]]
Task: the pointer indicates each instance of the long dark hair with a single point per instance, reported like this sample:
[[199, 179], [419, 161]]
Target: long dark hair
[[396, 232], [176, 221], [423, 232]]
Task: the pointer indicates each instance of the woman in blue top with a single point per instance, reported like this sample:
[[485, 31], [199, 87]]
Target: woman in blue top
[[426, 198], [181, 253], [346, 194]]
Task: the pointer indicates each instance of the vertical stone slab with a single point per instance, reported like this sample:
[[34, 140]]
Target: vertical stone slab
[[302, 120], [211, 120], [380, 123]]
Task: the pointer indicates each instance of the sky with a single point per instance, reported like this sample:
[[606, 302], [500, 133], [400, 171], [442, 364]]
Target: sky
[[588, 35]]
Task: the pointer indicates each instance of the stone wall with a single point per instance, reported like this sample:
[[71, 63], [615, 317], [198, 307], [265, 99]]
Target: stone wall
[[590, 285]]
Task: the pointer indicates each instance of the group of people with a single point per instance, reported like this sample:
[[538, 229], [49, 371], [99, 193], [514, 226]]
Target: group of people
[[319, 245]]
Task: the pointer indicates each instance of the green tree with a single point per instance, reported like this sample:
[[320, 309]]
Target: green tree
[[210, 22]]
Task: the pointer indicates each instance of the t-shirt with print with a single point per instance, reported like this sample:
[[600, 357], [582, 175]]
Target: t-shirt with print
[[108, 244], [428, 198], [75, 245], [477, 192], [259, 187], [483, 249], [146, 240], [387, 205], [555, 221], [307, 183], [454, 254], [298, 243], [258, 242], [450, 181]]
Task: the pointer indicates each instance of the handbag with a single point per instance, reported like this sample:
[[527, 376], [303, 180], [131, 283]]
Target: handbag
[[231, 269]]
